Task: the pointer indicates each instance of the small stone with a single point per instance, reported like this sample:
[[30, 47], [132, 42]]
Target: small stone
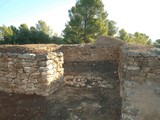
[[83, 84], [27, 56], [93, 83], [77, 85], [43, 69], [88, 86], [132, 68]]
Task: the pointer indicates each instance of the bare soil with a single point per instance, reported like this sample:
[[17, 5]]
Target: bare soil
[[68, 103], [29, 48]]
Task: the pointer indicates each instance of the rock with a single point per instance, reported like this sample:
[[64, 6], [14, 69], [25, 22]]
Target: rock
[[88, 86], [43, 69], [27, 56], [10, 75], [41, 57], [21, 76], [132, 68]]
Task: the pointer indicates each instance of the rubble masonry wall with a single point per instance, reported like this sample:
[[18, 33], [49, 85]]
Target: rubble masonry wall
[[139, 74], [30, 73]]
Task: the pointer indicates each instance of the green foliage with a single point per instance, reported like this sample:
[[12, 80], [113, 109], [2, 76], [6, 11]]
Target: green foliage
[[137, 37], [42, 26], [25, 35], [123, 35], [7, 34], [112, 29], [140, 38], [57, 40], [87, 20], [157, 43]]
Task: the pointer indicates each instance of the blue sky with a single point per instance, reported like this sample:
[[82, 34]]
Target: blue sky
[[132, 15]]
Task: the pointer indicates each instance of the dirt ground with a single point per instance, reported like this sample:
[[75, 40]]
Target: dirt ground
[[68, 103]]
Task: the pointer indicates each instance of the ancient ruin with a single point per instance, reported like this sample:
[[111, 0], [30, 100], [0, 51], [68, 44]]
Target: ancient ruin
[[125, 75]]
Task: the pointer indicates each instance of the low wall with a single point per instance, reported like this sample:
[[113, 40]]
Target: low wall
[[37, 71], [30, 73], [139, 73], [84, 65]]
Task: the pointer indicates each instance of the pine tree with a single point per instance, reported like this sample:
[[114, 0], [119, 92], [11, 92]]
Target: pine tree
[[87, 20]]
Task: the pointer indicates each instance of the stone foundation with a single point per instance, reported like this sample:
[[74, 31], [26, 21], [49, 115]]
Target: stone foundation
[[42, 73], [30, 73], [139, 73]]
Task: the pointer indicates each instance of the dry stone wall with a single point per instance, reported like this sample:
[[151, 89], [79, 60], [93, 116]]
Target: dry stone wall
[[42, 72], [84, 65], [139, 73], [30, 73]]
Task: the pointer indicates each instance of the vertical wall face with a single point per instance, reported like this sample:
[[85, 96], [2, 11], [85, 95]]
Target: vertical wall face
[[30, 73], [87, 66], [89, 53], [139, 73]]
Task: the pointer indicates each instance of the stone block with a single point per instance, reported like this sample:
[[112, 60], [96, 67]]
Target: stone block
[[28, 64], [33, 80], [59, 54], [151, 62], [27, 69], [49, 72], [22, 76], [42, 86], [20, 71], [147, 69], [132, 68], [50, 67], [11, 75], [12, 54], [2, 73], [1, 88], [27, 56], [8, 90], [41, 57], [43, 69], [43, 79], [37, 74], [18, 82], [42, 63]]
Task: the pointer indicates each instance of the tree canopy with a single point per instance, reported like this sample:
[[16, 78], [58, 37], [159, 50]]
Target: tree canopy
[[137, 37], [25, 35], [157, 43], [112, 29], [87, 20]]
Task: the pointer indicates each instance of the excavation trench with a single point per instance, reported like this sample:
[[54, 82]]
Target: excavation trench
[[90, 92]]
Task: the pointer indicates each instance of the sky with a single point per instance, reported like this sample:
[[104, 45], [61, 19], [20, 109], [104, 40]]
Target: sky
[[132, 15]]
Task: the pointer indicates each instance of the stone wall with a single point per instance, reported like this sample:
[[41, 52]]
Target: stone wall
[[30, 73], [35, 69], [139, 73], [41, 72], [84, 65]]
